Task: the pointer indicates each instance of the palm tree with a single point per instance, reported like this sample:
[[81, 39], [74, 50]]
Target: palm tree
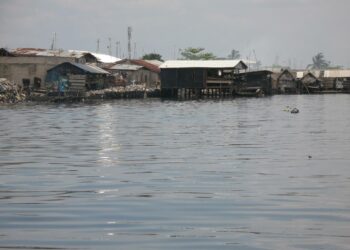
[[318, 62], [234, 54]]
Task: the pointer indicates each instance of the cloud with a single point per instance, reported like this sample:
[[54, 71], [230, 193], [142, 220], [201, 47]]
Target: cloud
[[288, 29]]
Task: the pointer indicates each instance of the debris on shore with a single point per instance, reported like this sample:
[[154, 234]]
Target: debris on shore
[[136, 91], [130, 91], [10, 92]]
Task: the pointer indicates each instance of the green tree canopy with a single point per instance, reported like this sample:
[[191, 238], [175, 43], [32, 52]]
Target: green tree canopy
[[319, 62], [196, 54], [152, 56], [234, 55]]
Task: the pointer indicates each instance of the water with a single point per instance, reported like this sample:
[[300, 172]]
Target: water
[[233, 174]]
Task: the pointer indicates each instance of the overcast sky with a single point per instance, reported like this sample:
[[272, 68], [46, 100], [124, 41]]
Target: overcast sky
[[282, 31]]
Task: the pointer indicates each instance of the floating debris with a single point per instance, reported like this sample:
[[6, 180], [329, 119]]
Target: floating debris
[[291, 110], [294, 111]]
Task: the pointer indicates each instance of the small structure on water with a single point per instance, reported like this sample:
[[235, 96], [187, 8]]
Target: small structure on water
[[308, 83], [199, 77], [76, 77], [253, 83], [284, 83]]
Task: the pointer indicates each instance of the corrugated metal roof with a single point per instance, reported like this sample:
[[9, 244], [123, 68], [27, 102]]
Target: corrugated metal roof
[[147, 65], [336, 73], [63, 53], [154, 62], [90, 68], [47, 52], [203, 64], [100, 57], [143, 63], [105, 58], [125, 67]]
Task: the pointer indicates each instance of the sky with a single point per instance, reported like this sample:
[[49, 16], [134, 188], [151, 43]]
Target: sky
[[286, 32]]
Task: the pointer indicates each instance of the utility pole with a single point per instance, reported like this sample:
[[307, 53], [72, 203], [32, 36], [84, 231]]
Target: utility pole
[[117, 49], [129, 42], [98, 46], [53, 43], [110, 46]]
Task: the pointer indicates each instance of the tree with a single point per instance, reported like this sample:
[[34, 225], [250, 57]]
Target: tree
[[152, 56], [319, 62], [196, 54], [234, 54]]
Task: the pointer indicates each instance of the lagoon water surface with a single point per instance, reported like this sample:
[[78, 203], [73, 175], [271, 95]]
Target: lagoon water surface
[[151, 174]]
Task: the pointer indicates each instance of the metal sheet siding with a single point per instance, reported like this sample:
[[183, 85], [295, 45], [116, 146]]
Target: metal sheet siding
[[182, 78], [336, 73], [168, 78], [217, 64]]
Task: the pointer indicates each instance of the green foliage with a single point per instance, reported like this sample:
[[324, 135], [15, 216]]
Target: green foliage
[[319, 62], [234, 55], [197, 54], [152, 56]]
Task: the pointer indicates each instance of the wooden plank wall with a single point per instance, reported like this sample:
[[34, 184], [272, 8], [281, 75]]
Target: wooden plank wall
[[77, 83]]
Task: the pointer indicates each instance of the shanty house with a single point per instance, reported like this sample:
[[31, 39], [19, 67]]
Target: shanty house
[[308, 82], [28, 71], [284, 83], [76, 77], [135, 72], [253, 83], [199, 74], [28, 66]]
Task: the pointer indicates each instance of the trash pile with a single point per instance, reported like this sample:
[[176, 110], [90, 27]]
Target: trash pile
[[129, 91], [10, 92]]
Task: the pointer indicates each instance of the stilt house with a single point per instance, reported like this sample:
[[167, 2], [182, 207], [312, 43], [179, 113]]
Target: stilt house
[[199, 74]]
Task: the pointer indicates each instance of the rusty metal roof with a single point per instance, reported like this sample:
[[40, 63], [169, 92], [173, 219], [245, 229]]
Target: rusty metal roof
[[143, 63], [154, 62], [63, 53], [46, 52], [147, 65]]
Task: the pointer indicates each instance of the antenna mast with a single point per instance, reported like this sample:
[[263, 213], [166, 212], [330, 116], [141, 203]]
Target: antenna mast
[[53, 43], [117, 49], [129, 42]]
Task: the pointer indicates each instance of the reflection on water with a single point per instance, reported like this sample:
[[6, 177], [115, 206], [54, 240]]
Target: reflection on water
[[233, 174]]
